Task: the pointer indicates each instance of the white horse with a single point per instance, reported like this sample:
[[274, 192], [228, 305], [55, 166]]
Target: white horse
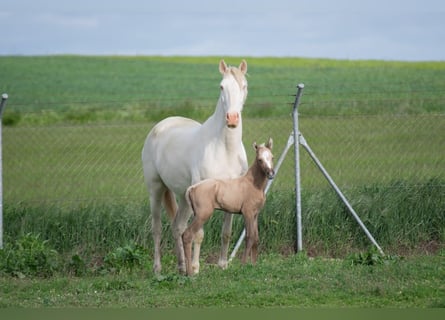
[[179, 152]]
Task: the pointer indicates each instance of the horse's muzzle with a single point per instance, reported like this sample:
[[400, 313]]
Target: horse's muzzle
[[232, 119]]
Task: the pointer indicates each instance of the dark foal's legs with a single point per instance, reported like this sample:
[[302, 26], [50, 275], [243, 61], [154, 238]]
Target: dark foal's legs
[[252, 238], [248, 224], [256, 240]]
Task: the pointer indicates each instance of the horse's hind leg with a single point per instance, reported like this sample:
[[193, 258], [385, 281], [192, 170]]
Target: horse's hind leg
[[156, 194], [225, 239]]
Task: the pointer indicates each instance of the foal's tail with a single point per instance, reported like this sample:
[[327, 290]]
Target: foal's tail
[[188, 197]]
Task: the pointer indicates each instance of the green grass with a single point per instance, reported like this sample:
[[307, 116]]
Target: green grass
[[72, 136], [276, 281]]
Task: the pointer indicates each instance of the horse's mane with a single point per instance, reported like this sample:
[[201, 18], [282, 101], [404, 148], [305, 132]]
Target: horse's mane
[[238, 75]]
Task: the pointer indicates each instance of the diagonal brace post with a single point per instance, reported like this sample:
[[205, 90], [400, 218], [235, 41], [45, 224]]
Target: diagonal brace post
[[305, 145]]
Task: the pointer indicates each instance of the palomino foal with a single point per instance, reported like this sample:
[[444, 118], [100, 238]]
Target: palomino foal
[[243, 195]]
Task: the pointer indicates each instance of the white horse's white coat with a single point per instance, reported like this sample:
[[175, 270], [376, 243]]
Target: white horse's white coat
[[179, 152]]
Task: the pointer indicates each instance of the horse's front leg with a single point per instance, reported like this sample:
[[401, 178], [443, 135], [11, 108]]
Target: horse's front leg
[[178, 227], [226, 234]]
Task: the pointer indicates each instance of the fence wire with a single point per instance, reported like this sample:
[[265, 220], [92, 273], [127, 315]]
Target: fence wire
[[102, 163]]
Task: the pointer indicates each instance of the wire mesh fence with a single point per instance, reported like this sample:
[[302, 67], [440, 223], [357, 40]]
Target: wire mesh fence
[[102, 162]]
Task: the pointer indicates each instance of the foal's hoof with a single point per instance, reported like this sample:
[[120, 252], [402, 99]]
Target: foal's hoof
[[195, 268], [223, 264]]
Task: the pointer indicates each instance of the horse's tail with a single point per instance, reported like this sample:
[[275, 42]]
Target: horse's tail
[[169, 201]]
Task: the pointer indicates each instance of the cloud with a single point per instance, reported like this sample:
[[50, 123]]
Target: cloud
[[374, 29]]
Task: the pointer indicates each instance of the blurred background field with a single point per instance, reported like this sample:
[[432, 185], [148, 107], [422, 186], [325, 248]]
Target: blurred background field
[[74, 127]]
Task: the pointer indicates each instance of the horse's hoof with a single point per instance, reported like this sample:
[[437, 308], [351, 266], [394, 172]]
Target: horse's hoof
[[182, 270], [157, 269]]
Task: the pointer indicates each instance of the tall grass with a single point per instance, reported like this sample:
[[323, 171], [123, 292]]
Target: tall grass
[[401, 215], [89, 228]]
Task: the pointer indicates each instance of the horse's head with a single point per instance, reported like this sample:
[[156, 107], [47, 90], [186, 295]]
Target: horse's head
[[233, 91], [264, 158]]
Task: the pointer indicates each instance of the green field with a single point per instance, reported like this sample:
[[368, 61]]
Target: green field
[[74, 126], [77, 89], [276, 282]]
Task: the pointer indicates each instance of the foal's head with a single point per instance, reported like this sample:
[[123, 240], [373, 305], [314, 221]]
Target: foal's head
[[264, 158]]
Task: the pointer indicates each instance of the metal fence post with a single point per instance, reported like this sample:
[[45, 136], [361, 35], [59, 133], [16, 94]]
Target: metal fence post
[[2, 105], [299, 243], [293, 139]]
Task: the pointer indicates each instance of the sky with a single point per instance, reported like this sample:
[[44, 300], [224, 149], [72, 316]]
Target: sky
[[404, 30]]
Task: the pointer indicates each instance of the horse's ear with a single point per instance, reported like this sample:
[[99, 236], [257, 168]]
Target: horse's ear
[[254, 145], [269, 144], [222, 66], [243, 66]]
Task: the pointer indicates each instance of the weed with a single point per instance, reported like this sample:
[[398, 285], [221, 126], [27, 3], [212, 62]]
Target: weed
[[170, 281], [29, 256], [371, 258], [77, 266], [125, 258]]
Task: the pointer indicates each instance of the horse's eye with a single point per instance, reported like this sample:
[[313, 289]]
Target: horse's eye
[[221, 87]]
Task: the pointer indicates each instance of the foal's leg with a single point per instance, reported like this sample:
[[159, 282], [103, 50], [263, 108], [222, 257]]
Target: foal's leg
[[256, 240], [199, 236], [190, 235], [187, 239], [250, 238], [226, 233], [178, 227]]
